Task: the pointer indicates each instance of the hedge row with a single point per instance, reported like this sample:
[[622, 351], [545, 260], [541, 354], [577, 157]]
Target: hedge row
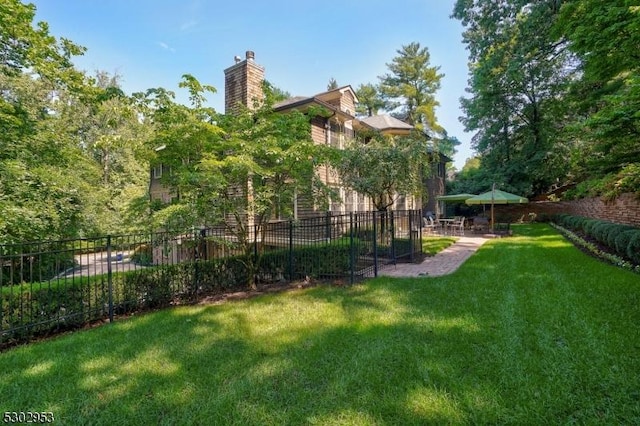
[[624, 240], [48, 307]]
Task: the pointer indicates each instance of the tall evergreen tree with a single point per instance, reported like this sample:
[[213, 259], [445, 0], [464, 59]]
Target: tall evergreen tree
[[410, 86], [370, 101]]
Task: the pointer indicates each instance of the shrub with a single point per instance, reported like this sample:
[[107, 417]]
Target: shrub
[[322, 260], [43, 308], [613, 233], [150, 288], [143, 255], [402, 248], [364, 234], [565, 220], [33, 263], [588, 225], [605, 230], [545, 217], [575, 222], [622, 241], [633, 249], [599, 230]]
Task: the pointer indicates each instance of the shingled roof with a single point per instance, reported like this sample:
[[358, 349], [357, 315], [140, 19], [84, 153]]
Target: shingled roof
[[386, 122]]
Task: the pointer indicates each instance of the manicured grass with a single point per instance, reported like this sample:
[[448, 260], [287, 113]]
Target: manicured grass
[[528, 331], [433, 245]]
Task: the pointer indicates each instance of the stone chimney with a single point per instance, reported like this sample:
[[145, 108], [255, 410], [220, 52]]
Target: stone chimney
[[243, 83]]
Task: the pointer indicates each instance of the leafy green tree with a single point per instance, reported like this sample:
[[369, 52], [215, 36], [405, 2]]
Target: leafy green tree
[[519, 75], [605, 99], [69, 144], [385, 167], [113, 137], [333, 84], [472, 179], [447, 145], [233, 171], [23, 46], [44, 176], [274, 93]]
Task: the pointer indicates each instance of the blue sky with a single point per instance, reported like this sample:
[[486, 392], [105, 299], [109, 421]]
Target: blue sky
[[302, 44]]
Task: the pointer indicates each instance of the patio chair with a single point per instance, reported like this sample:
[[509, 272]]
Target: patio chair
[[480, 224], [457, 226], [429, 225]]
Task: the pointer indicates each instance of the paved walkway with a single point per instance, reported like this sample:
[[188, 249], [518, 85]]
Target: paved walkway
[[443, 263]]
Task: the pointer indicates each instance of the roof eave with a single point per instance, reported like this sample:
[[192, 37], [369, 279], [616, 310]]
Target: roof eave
[[307, 102]]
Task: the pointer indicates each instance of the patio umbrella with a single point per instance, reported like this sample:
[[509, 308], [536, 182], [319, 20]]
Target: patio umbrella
[[496, 196], [454, 197]]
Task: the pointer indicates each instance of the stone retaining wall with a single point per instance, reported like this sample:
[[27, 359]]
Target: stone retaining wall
[[625, 209]]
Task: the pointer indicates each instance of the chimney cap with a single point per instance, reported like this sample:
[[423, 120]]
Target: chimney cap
[[250, 55]]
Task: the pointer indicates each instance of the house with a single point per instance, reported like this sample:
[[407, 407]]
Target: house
[[243, 86]]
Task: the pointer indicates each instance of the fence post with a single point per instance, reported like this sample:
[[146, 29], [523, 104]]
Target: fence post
[[393, 237], [412, 239], [328, 226], [375, 244], [255, 244], [109, 278], [204, 254], [420, 235], [352, 250], [196, 257], [290, 250]]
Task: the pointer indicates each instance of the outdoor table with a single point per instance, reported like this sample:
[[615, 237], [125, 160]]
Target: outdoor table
[[446, 222]]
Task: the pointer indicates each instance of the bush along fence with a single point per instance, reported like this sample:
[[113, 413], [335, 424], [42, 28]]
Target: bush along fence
[[51, 286], [623, 240]]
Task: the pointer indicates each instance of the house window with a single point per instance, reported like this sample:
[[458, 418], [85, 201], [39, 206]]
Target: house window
[[335, 135], [157, 171], [362, 206], [348, 201], [349, 133], [336, 205]]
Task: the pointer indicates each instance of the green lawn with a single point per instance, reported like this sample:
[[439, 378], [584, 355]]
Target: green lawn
[[433, 245], [528, 331]]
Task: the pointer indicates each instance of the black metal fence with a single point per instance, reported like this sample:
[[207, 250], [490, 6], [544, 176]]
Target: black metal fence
[[51, 286]]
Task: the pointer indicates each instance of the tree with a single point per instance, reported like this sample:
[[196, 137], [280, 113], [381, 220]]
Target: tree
[[44, 176], [385, 167], [333, 84], [447, 145], [410, 86], [233, 171], [472, 179], [105, 124], [606, 97], [277, 94], [370, 101], [519, 75]]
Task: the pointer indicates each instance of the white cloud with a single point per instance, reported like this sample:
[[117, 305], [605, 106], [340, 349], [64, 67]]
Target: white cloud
[[188, 25], [165, 46]]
